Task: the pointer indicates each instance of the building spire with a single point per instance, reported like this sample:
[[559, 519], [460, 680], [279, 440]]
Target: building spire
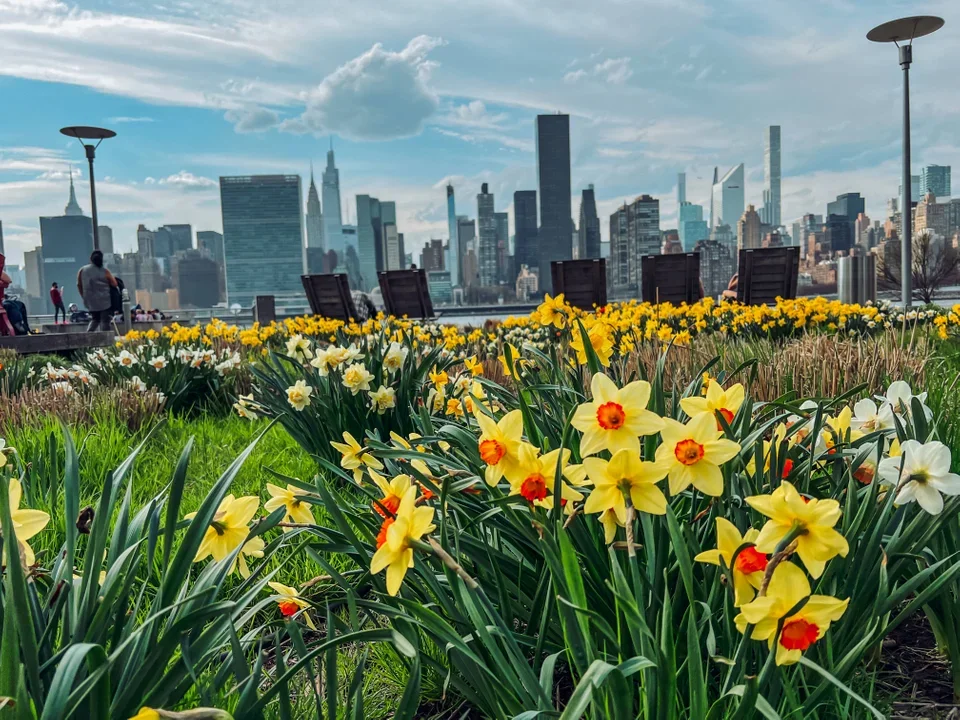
[[311, 171], [73, 207]]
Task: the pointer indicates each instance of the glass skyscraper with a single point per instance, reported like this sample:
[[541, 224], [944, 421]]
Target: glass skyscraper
[[525, 250], [727, 200], [452, 258], [333, 236], [487, 238], [369, 241], [691, 226], [588, 237], [770, 212], [553, 182], [935, 179], [262, 236], [67, 242]]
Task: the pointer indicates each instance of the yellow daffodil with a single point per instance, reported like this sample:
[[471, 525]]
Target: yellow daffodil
[[356, 378], [616, 417], [26, 523], [839, 430], [514, 358], [810, 520], [298, 511], [552, 311], [354, 457], [395, 356], [624, 475], [726, 402], [382, 399], [439, 378], [749, 567], [692, 454], [396, 553], [788, 586], [230, 528], [290, 602], [536, 475], [146, 713], [393, 492], [199, 713], [473, 366], [601, 340], [499, 445], [610, 521], [298, 395], [298, 347]]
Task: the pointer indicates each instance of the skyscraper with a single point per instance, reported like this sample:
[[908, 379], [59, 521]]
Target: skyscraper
[[210, 242], [393, 252], [553, 182], [770, 212], [452, 258], [634, 232], [727, 201], [66, 241], [262, 236], [106, 239], [589, 232], [487, 238], [73, 207], [504, 269], [691, 225], [369, 240], [840, 220], [716, 177], [314, 218], [466, 232], [526, 249], [681, 188], [935, 179], [180, 237], [333, 237], [748, 229]]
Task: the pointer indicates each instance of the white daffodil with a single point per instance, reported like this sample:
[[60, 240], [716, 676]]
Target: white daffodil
[[921, 473], [869, 417], [900, 396]]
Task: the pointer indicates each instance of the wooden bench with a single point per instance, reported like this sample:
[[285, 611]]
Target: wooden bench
[[764, 274], [670, 278], [583, 283], [406, 293], [329, 296], [57, 343]]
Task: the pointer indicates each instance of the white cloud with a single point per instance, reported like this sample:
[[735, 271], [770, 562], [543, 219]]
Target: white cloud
[[575, 76], [185, 180], [475, 114], [379, 95], [615, 71], [704, 73], [126, 119], [252, 120]]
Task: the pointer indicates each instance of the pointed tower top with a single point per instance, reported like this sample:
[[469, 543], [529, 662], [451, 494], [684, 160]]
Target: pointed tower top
[[73, 207], [311, 171]]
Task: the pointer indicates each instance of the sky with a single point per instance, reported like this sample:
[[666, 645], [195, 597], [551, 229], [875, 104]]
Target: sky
[[418, 93]]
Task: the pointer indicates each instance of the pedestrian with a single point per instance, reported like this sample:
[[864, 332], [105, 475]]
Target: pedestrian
[[56, 297], [94, 282]]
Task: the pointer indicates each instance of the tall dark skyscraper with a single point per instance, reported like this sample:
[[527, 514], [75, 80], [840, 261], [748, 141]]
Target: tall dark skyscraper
[[840, 221], [526, 250], [487, 234], [553, 182], [262, 236], [589, 232]]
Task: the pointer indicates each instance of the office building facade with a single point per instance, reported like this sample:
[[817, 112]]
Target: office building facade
[[452, 257], [333, 236], [770, 212], [486, 238], [314, 217], [748, 229], [526, 249], [690, 225], [369, 241], [263, 244], [588, 234], [935, 179], [432, 256], [105, 234], [466, 237], [553, 185], [66, 242], [727, 198], [634, 232]]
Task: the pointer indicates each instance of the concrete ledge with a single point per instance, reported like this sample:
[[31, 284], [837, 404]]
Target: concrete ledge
[[81, 327], [55, 343]]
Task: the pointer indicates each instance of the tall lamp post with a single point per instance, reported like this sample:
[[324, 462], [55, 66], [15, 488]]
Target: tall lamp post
[[81, 133], [899, 31]]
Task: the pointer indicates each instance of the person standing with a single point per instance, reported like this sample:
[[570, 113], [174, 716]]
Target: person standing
[[56, 297], [94, 282]]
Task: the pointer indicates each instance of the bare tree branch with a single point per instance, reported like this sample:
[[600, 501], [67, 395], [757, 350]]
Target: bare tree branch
[[935, 262]]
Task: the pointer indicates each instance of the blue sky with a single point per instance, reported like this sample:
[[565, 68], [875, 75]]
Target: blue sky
[[420, 92]]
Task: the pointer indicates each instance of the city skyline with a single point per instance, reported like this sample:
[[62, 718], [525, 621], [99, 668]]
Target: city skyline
[[454, 117]]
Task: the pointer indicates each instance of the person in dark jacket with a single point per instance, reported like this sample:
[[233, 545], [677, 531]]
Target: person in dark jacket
[[94, 282], [56, 297]]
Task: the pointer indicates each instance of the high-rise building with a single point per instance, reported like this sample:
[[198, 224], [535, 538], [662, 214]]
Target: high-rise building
[[862, 228], [145, 241], [369, 240], [670, 242], [210, 242], [453, 255], [180, 237], [727, 198], [432, 256], [105, 233], [726, 236], [713, 210], [588, 238], [314, 217], [526, 249], [634, 232], [73, 207], [393, 254], [486, 238], [932, 216], [717, 266], [914, 189], [847, 207], [466, 236], [681, 188], [690, 225], [196, 277], [333, 235], [553, 184], [770, 212], [67, 242], [262, 236], [748, 229], [502, 221], [935, 179]]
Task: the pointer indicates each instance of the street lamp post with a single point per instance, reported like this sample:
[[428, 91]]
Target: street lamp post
[[897, 31], [81, 133]]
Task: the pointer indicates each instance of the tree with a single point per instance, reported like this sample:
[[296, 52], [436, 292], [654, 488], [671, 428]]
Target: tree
[[935, 261]]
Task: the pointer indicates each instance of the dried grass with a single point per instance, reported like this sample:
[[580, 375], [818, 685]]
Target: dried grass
[[31, 406]]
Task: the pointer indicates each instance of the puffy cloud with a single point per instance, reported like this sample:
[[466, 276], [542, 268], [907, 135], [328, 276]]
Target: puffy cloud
[[185, 180], [127, 119], [475, 114], [575, 76], [614, 71], [379, 95], [252, 120]]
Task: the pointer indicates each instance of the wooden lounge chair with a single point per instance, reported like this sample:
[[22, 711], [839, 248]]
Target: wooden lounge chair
[[405, 293], [329, 296], [582, 282], [765, 274], [670, 278]]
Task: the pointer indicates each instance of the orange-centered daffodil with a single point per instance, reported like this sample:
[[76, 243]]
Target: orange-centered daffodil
[[748, 568], [616, 417], [692, 454]]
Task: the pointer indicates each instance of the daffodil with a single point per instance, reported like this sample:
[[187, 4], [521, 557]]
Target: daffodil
[[396, 554], [601, 341], [26, 523], [625, 475], [535, 478], [810, 521], [382, 399], [229, 529], [356, 378], [838, 430], [354, 457], [298, 347], [921, 473], [439, 378], [514, 358], [868, 417], [725, 402], [788, 586], [692, 454], [395, 356], [473, 366], [616, 417], [552, 311], [298, 511], [499, 445], [393, 492], [748, 568], [610, 522], [298, 395], [290, 602]]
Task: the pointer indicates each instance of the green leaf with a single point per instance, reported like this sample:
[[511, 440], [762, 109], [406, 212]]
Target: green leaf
[[807, 662]]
